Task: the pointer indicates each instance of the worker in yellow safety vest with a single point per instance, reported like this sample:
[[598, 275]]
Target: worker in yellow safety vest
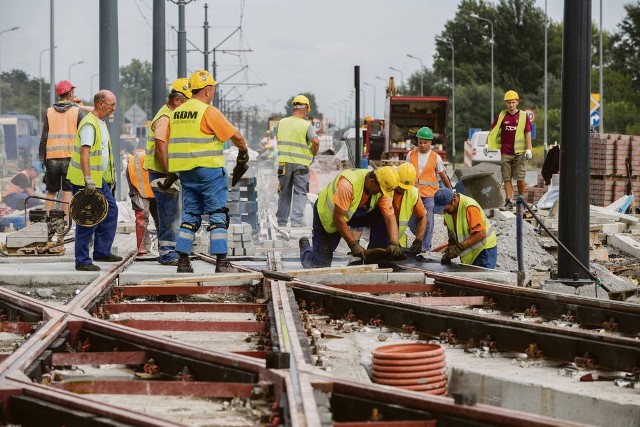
[[298, 143], [143, 202], [471, 235]]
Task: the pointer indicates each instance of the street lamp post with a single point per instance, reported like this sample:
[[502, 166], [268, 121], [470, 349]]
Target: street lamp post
[[40, 85], [401, 75], [1, 33], [421, 73], [75, 63], [364, 102], [473, 15], [453, 98], [374, 97]]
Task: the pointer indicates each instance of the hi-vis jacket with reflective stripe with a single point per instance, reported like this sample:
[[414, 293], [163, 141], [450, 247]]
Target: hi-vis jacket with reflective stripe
[[462, 230], [138, 175], [519, 144], [325, 200], [428, 179], [74, 174], [151, 162], [409, 200], [189, 147], [292, 141], [62, 132]]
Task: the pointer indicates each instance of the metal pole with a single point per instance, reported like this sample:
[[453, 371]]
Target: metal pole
[[206, 38], [364, 102], [71, 66], [573, 222], [601, 127], [546, 87], [91, 87], [374, 98], [453, 100], [182, 41], [356, 83], [401, 76], [40, 87], [519, 245], [159, 72], [52, 58]]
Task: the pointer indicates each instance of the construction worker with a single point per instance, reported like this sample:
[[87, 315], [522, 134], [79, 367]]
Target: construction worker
[[198, 132], [143, 201], [351, 199], [471, 236], [298, 143], [156, 161], [91, 168], [406, 204], [21, 186], [429, 166], [56, 143], [511, 134]]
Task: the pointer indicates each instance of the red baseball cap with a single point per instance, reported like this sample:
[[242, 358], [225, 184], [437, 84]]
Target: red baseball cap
[[63, 87]]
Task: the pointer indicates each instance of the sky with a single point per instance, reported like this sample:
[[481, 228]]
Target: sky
[[284, 47]]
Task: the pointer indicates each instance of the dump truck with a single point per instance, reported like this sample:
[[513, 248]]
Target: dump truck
[[393, 137], [21, 140]]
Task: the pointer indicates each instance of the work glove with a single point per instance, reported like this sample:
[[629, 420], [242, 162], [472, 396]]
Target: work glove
[[445, 260], [528, 155], [485, 150], [394, 250], [454, 251], [416, 246], [243, 157], [357, 250], [89, 185]]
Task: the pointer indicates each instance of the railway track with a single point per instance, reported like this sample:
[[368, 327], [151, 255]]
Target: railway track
[[236, 349]]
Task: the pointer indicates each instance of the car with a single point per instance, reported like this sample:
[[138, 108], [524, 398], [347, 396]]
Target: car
[[474, 150]]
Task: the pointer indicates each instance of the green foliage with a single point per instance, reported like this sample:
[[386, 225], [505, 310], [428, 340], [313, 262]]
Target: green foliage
[[20, 93], [136, 85]]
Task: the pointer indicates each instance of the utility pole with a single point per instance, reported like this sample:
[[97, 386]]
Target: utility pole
[[182, 37], [206, 38], [159, 76]]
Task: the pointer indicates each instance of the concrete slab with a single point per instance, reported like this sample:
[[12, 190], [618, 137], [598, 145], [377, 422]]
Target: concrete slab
[[625, 243]]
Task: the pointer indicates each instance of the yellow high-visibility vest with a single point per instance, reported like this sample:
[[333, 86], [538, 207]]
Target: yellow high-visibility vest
[[463, 232], [151, 162], [292, 141], [519, 144], [74, 173], [409, 200]]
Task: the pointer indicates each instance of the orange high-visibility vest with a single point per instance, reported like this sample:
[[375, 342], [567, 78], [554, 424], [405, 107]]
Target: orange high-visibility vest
[[11, 188], [428, 178], [138, 175], [62, 132]]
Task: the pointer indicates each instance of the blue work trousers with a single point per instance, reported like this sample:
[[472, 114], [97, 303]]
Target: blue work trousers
[[325, 244], [293, 186], [103, 234], [428, 204], [169, 212], [204, 191], [487, 258]]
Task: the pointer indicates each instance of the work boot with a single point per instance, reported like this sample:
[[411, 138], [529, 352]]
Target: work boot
[[223, 265], [508, 206], [184, 265], [303, 243], [87, 267]]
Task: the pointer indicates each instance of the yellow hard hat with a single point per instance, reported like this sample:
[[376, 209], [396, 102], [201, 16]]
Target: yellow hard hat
[[407, 175], [387, 177], [510, 95], [182, 85], [200, 79], [301, 100]]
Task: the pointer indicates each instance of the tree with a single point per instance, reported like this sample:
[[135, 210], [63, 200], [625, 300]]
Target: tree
[[136, 82], [626, 45], [20, 93]]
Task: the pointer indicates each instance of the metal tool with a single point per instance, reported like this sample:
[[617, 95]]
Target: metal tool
[[88, 210], [238, 171], [167, 184]]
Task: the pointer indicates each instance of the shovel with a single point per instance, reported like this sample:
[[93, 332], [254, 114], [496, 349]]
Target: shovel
[[238, 170]]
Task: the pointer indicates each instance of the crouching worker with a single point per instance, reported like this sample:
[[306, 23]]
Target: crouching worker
[[471, 236], [406, 203], [351, 199]]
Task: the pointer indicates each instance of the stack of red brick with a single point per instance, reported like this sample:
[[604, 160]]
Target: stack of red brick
[[608, 173]]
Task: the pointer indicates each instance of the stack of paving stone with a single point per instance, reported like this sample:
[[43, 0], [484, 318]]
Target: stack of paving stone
[[240, 241], [243, 203], [608, 169]]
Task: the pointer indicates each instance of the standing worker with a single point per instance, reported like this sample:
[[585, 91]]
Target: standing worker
[[406, 204], [91, 168], [21, 186], [429, 166], [156, 161], [351, 199], [143, 201], [56, 144], [471, 236], [297, 144], [198, 131], [511, 134]]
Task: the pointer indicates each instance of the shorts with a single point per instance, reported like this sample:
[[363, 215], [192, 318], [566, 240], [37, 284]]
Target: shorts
[[513, 166], [56, 176]]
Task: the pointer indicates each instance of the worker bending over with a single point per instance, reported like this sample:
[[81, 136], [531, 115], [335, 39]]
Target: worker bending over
[[350, 200], [471, 236]]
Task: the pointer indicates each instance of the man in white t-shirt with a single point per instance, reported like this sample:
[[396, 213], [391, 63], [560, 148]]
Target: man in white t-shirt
[[430, 166]]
